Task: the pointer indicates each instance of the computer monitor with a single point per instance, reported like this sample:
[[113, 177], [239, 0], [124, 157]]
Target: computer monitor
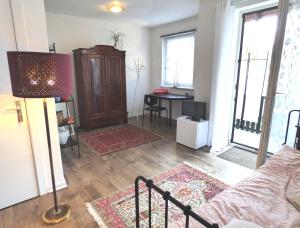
[[188, 108], [194, 109]]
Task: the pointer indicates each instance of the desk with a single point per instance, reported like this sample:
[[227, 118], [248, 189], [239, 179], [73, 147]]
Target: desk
[[172, 97]]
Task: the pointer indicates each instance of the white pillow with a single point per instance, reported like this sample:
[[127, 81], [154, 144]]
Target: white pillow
[[237, 223]]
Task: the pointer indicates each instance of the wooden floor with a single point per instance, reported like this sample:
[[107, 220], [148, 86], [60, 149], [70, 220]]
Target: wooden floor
[[93, 176]]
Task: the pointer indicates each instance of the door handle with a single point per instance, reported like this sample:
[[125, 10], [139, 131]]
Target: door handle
[[18, 109]]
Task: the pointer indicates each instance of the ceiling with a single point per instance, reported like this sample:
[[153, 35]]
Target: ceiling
[[143, 12]]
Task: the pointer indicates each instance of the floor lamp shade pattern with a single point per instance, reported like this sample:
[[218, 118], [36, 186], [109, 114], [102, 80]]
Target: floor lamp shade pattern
[[43, 75], [40, 75]]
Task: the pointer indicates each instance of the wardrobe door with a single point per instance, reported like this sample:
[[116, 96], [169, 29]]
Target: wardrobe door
[[115, 86], [95, 87]]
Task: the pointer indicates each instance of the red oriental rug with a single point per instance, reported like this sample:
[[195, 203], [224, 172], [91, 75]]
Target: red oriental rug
[[118, 138], [187, 184]]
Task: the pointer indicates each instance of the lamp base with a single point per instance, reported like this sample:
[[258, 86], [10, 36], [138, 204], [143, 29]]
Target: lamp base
[[50, 216]]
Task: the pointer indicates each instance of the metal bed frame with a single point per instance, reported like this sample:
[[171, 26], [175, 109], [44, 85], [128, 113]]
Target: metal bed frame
[[288, 126], [187, 210]]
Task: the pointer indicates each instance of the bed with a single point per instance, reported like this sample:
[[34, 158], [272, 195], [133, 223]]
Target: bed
[[261, 198], [270, 197]]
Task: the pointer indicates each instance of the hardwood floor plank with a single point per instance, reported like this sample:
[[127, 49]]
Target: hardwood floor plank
[[93, 176]]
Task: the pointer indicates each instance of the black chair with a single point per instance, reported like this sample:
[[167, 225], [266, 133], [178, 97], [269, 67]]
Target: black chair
[[151, 104]]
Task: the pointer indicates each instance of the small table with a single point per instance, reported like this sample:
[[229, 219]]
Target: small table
[[172, 97]]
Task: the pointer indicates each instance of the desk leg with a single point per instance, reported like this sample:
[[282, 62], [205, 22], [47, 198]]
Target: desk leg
[[170, 113]]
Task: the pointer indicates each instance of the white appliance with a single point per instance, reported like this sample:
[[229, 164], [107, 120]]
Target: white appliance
[[191, 133]]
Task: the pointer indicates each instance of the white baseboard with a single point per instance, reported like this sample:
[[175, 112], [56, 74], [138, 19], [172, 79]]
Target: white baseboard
[[60, 185]]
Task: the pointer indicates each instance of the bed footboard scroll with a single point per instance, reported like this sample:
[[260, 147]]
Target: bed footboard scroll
[[187, 210]]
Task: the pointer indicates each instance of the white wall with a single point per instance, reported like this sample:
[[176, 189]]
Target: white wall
[[204, 51], [205, 43], [69, 32], [7, 42], [156, 57]]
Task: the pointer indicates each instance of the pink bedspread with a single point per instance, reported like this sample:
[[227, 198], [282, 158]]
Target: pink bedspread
[[260, 198]]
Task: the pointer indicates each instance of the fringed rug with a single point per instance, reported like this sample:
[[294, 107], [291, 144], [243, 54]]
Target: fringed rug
[[118, 138], [187, 184]]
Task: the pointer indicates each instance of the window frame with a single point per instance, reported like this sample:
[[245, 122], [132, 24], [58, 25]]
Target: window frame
[[164, 39]]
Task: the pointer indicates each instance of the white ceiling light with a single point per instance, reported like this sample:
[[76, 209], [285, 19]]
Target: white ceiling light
[[115, 7]]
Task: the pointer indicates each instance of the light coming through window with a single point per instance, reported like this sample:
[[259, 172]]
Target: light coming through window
[[178, 60]]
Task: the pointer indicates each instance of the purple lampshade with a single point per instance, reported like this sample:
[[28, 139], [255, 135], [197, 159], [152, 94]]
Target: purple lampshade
[[40, 75]]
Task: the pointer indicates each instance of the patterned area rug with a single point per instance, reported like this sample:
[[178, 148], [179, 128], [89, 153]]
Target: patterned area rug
[[115, 139], [187, 184]]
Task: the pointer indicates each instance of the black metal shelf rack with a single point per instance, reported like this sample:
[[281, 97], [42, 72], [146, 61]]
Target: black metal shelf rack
[[72, 140]]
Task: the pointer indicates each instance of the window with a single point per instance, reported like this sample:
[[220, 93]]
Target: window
[[178, 60]]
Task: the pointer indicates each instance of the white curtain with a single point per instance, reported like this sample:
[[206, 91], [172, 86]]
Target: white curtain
[[223, 75]]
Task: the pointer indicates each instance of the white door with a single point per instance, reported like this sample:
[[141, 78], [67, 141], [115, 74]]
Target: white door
[[17, 172]]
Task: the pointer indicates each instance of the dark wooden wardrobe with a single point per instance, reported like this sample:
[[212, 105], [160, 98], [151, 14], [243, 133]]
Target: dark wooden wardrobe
[[101, 86]]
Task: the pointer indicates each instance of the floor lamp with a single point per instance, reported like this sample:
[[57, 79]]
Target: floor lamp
[[43, 75]]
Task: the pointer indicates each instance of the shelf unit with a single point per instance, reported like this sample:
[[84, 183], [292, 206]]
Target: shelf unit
[[73, 140]]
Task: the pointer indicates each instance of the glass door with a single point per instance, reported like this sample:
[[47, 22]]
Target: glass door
[[282, 92], [257, 38], [287, 92]]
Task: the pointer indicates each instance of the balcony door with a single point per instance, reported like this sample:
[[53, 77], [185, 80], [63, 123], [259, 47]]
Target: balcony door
[[257, 38]]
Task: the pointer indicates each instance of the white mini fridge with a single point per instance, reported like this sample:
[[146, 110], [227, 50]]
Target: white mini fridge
[[191, 133]]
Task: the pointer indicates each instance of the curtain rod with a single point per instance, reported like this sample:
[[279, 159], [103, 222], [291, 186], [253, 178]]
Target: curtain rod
[[179, 33]]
